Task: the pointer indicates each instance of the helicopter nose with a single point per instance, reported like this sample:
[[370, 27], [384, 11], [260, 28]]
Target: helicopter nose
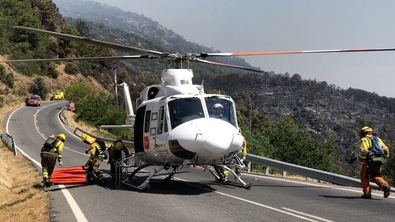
[[209, 136]]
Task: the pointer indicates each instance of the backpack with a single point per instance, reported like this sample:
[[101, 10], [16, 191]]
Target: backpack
[[102, 144], [49, 143], [376, 148], [102, 147]]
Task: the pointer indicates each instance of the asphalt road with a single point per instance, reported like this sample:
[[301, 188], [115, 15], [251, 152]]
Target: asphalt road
[[192, 196]]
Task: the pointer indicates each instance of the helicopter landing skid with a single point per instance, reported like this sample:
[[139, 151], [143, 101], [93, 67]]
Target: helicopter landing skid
[[223, 179], [129, 181]]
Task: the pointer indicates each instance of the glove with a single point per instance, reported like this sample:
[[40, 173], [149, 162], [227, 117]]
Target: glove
[[60, 162]]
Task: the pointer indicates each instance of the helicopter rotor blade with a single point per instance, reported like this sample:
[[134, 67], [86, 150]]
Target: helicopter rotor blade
[[257, 53], [92, 41], [102, 58], [227, 65]]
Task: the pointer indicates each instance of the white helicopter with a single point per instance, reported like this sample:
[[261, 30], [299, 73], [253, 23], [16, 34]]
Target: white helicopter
[[176, 123]]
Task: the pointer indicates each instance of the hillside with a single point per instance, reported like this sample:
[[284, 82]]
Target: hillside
[[159, 37]]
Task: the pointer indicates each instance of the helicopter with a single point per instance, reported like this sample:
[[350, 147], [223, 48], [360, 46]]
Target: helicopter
[[176, 123]]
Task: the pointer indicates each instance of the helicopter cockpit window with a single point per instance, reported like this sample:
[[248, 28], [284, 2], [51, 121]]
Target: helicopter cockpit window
[[184, 109], [152, 92], [221, 109]]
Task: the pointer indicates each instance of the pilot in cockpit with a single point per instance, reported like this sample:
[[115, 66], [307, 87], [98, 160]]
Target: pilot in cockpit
[[218, 110]]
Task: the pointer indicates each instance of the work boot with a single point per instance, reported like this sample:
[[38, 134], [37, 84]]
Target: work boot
[[366, 196], [387, 191], [45, 181]]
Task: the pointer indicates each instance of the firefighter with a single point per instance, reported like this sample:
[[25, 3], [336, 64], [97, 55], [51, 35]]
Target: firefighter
[[244, 150], [96, 156], [372, 151], [240, 164], [51, 150], [221, 172], [115, 153]]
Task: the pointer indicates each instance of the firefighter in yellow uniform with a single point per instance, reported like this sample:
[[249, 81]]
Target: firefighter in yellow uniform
[[115, 153], [96, 156], [243, 153], [51, 150], [372, 161], [244, 150]]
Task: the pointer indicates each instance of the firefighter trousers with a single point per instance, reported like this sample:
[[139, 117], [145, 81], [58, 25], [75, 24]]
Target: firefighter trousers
[[371, 169], [48, 161], [94, 165]]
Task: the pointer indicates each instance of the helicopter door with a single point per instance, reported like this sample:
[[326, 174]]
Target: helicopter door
[[139, 130], [161, 120]]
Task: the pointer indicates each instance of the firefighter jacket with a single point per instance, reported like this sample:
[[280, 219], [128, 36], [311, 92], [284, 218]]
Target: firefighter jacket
[[116, 150], [244, 149], [366, 146], [57, 149], [95, 152]]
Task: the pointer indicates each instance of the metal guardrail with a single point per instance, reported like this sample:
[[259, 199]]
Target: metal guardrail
[[62, 117], [309, 172], [9, 142]]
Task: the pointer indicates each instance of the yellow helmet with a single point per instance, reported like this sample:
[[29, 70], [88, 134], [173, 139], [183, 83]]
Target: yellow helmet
[[62, 136], [366, 129], [87, 138]]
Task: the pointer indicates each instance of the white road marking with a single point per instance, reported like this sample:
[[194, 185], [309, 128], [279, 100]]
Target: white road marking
[[307, 215], [73, 204], [266, 206], [249, 201], [80, 217], [315, 185], [45, 137]]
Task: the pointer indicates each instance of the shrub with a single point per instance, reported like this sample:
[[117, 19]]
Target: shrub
[[71, 68], [51, 71], [38, 87], [6, 78]]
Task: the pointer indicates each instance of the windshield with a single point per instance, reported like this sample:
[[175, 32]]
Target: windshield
[[221, 109], [184, 109]]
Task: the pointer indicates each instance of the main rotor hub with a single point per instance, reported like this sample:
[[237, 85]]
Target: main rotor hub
[[177, 77]]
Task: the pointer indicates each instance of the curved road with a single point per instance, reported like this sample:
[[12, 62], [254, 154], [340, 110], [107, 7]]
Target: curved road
[[193, 196]]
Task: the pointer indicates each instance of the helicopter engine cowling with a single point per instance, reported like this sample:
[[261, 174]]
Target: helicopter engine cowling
[[209, 138]]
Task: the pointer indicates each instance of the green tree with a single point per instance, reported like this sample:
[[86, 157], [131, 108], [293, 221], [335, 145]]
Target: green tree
[[38, 87], [77, 92], [98, 109]]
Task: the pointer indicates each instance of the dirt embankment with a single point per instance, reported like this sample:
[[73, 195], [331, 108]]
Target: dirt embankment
[[21, 196]]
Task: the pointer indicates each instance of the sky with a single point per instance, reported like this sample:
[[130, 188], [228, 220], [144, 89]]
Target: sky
[[257, 25]]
